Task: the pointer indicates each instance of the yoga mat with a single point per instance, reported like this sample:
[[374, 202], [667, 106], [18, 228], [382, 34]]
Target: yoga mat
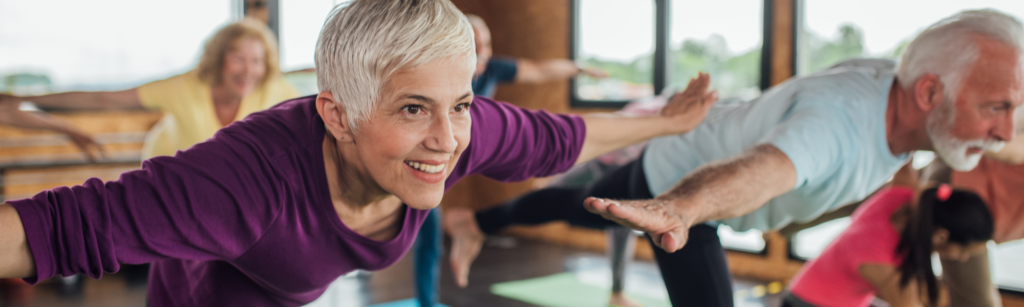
[[563, 290], [404, 303]]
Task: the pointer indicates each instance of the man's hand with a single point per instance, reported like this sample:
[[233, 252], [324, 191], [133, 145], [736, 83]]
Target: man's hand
[[668, 228], [595, 73], [687, 109]]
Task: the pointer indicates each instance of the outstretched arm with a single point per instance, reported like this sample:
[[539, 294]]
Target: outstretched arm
[[607, 132], [539, 71], [15, 258], [720, 190], [11, 115], [127, 99]]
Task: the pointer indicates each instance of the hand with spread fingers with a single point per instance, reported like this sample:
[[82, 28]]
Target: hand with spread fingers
[[667, 227], [689, 107]]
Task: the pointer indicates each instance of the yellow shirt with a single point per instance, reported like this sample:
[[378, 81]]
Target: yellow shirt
[[189, 115]]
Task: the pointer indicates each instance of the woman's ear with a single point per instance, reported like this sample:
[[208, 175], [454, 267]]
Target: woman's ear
[[928, 91], [940, 237], [333, 114]]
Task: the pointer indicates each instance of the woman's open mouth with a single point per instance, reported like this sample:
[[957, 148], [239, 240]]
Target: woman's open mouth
[[431, 172], [426, 168]]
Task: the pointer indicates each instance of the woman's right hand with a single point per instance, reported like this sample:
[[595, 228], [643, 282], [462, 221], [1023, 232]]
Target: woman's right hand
[[11, 115], [84, 142]]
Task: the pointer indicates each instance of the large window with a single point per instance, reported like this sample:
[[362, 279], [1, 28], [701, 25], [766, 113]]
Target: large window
[[618, 37], [722, 38], [650, 45], [837, 30], [300, 27], [102, 44]]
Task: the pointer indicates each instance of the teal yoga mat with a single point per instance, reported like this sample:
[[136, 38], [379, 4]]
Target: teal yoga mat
[[564, 290], [403, 303]]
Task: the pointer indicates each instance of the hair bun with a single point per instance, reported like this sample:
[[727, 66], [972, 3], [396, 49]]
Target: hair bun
[[943, 192]]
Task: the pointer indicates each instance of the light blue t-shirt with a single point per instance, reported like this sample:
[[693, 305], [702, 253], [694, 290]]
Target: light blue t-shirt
[[831, 124]]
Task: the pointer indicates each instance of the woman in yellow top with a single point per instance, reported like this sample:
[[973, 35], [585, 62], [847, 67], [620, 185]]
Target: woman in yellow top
[[238, 74]]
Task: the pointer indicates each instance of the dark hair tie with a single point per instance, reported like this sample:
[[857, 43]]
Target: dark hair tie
[[943, 192]]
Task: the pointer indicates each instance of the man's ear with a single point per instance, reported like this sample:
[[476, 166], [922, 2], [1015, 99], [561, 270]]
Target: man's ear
[[928, 91], [333, 114]]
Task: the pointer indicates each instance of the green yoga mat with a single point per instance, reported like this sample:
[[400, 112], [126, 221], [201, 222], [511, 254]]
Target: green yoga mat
[[564, 290]]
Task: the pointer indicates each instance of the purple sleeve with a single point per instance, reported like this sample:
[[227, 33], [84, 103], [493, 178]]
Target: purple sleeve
[[211, 202], [513, 144]]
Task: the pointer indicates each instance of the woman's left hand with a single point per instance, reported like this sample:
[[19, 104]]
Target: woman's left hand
[[687, 109]]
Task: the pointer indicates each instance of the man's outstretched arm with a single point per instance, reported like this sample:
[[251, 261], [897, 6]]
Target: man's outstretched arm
[[716, 191]]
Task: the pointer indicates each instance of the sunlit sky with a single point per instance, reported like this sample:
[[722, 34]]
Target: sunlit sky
[[128, 42]]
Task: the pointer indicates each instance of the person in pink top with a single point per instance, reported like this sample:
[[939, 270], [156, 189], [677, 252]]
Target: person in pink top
[[887, 250]]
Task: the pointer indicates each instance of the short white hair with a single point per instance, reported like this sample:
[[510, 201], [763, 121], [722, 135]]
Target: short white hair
[[364, 42], [949, 47]]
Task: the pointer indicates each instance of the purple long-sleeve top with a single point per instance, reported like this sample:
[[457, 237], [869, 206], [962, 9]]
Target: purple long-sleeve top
[[245, 218]]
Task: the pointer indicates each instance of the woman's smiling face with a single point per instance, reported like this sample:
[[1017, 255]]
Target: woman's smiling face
[[421, 126]]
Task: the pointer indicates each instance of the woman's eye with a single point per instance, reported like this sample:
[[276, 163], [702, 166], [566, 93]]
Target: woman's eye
[[413, 109]]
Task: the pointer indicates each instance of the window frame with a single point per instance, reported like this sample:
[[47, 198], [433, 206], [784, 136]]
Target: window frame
[[662, 61]]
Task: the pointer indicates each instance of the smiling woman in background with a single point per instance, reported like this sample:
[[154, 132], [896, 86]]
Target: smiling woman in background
[[238, 74]]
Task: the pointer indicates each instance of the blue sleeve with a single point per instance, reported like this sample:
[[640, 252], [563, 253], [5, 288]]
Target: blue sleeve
[[504, 69], [816, 139]]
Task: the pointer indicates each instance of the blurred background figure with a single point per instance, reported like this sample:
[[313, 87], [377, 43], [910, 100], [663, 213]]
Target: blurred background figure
[[238, 74]]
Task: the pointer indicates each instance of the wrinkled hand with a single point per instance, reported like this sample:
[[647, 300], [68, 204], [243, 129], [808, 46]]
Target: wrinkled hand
[[688, 108], [595, 73], [668, 229]]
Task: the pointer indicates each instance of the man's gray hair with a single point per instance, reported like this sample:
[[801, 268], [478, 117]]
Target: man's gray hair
[[364, 42], [949, 47]]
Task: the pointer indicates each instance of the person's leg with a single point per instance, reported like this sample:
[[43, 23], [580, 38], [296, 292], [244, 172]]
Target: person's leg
[[466, 228], [559, 204], [533, 208], [970, 282], [621, 247], [697, 274], [427, 257]]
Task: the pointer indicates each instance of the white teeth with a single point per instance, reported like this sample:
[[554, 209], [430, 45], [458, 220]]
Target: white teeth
[[426, 168]]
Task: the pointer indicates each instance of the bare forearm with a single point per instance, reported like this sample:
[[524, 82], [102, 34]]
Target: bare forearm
[[15, 258], [538, 71], [32, 120], [733, 187], [87, 100], [608, 132]]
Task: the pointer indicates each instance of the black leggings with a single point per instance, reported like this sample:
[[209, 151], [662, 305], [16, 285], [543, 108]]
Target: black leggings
[[696, 275]]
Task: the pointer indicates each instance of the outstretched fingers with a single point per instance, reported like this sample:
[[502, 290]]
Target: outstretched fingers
[[668, 229]]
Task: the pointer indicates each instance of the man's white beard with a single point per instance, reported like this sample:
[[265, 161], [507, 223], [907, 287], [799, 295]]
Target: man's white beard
[[951, 149]]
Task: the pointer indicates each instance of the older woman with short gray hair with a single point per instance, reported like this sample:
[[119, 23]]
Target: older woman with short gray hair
[[275, 207]]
